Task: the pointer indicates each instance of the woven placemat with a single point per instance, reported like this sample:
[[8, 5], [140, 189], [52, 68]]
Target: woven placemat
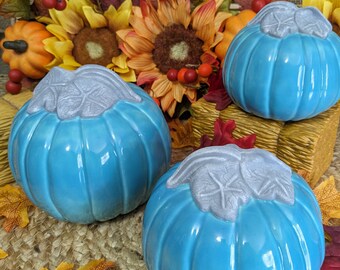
[[46, 242]]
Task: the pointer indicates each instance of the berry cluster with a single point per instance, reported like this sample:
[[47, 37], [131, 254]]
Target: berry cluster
[[189, 75], [13, 85], [57, 4]]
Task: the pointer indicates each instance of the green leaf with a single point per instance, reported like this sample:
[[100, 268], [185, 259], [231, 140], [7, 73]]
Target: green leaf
[[15, 9]]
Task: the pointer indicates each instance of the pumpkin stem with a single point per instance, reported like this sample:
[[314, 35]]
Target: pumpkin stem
[[19, 46]]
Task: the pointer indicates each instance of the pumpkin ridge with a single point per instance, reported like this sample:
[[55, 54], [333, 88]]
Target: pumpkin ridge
[[292, 230], [282, 251], [312, 198], [134, 127], [50, 191], [119, 165], [335, 51], [202, 217], [169, 197], [333, 36], [24, 155], [320, 85], [157, 128], [171, 219], [84, 169], [246, 69], [310, 215], [51, 204], [234, 46]]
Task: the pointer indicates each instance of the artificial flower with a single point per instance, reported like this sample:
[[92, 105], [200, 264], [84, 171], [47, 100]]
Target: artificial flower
[[82, 35], [171, 37]]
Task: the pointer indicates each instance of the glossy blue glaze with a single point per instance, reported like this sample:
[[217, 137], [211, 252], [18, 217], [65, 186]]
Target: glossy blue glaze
[[292, 78], [90, 169], [266, 234]]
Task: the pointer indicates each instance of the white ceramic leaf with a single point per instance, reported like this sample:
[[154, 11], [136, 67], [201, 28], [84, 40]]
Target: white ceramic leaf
[[223, 178]]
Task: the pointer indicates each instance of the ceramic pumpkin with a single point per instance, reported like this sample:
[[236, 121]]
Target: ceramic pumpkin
[[285, 64], [229, 208], [88, 146], [23, 48]]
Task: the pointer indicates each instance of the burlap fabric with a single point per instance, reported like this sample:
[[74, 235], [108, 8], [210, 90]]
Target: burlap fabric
[[46, 242]]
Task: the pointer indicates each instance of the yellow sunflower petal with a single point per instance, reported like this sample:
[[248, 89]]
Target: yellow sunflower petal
[[54, 63], [129, 76], [121, 70], [95, 19], [203, 14], [142, 62], [178, 91], [146, 77], [58, 48], [58, 31], [68, 19], [220, 18], [172, 108], [69, 63], [191, 94], [161, 86], [45, 20], [120, 60], [118, 19], [78, 5]]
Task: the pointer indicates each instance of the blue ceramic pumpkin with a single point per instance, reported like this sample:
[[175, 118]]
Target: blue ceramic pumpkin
[[88, 147], [285, 64], [225, 208]]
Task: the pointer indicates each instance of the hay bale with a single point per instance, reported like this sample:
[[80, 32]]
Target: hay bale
[[307, 146], [9, 106]]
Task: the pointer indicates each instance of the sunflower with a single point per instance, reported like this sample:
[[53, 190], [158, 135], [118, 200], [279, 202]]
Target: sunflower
[[83, 35], [171, 37]]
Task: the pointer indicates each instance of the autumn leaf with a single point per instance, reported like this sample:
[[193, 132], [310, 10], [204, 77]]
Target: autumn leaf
[[99, 265], [15, 8], [332, 256], [3, 254], [223, 134], [329, 200], [13, 206], [216, 91], [65, 266]]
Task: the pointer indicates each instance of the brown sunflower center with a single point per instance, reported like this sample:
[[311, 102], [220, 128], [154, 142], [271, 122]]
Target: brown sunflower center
[[177, 47], [95, 46]]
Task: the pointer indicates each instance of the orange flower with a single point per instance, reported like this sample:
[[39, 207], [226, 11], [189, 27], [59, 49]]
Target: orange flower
[[171, 36]]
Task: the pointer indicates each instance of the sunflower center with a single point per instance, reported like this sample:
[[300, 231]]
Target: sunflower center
[[177, 47], [95, 46], [179, 51]]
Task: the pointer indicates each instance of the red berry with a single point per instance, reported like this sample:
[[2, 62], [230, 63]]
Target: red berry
[[190, 76], [172, 74], [180, 75], [15, 75], [13, 88], [205, 70], [61, 5], [268, 1], [49, 3], [257, 5]]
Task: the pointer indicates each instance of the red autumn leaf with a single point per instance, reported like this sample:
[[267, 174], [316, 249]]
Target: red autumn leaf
[[223, 134], [216, 92], [332, 258]]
